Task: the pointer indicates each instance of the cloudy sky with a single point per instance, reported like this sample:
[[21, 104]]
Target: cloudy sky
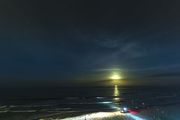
[[59, 42]]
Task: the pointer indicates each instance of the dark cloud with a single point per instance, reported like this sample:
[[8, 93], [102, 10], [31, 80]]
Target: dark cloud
[[166, 75]]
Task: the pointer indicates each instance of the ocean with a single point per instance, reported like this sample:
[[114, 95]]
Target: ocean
[[64, 102]]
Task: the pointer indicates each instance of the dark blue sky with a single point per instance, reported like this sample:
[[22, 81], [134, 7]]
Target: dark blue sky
[[62, 42]]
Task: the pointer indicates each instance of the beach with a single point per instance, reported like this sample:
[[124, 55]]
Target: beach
[[96, 103]]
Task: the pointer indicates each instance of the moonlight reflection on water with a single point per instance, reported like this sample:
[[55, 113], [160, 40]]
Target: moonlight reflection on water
[[116, 91]]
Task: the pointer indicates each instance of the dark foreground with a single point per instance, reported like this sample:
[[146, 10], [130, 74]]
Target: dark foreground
[[97, 103]]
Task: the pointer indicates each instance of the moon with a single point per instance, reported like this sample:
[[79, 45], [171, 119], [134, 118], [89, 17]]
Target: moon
[[115, 76]]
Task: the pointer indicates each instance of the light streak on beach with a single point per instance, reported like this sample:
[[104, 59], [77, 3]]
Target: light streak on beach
[[97, 116], [105, 115]]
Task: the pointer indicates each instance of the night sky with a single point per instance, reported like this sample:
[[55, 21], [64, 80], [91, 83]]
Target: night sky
[[81, 42]]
